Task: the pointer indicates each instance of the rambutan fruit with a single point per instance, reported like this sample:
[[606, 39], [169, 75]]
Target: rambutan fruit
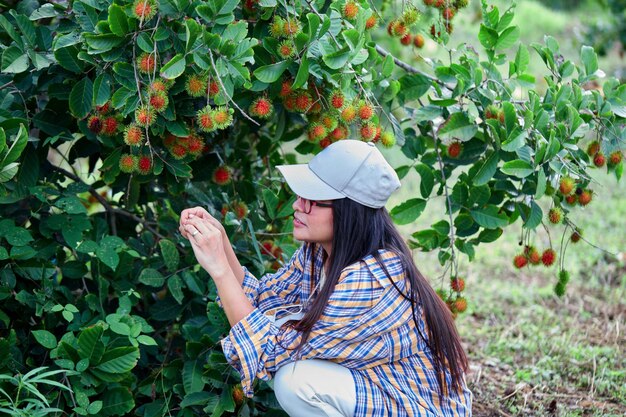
[[109, 126], [376, 137], [277, 27], [410, 15], [316, 132], [105, 108], [371, 22], [144, 9], [291, 27], [286, 49], [303, 101], [460, 304], [459, 4], [337, 99], [555, 215], [585, 197], [329, 120], [159, 101], [285, 88], [367, 131], [520, 261], [128, 163], [205, 120], [178, 151], [222, 175], [214, 88], [240, 209], [195, 145], [599, 160], [388, 139], [169, 140], [571, 199], [563, 276], [566, 185], [429, 3], [454, 149], [94, 123], [144, 165], [262, 108], [399, 29], [348, 114], [548, 257], [145, 116], [406, 39], [434, 32], [418, 41], [533, 255], [365, 111], [196, 85], [492, 112], [133, 135], [457, 284], [615, 158], [340, 132], [146, 63], [576, 235], [559, 289], [326, 142], [159, 85], [439, 4], [350, 10], [447, 13], [593, 148], [222, 117]]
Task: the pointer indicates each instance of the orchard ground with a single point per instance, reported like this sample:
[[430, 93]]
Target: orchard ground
[[531, 352]]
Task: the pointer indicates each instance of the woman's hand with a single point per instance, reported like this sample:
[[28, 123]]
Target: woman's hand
[[190, 213], [207, 244]]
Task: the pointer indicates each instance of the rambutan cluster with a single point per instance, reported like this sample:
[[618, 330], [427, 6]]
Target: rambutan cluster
[[284, 27], [559, 288], [401, 28], [141, 164], [447, 10], [210, 119], [144, 10], [104, 123], [181, 147], [532, 256]]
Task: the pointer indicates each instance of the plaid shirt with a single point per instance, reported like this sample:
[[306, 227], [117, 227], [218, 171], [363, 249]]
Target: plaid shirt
[[366, 327]]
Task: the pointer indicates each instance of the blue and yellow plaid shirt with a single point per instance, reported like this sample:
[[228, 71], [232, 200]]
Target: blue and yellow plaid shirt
[[366, 327]]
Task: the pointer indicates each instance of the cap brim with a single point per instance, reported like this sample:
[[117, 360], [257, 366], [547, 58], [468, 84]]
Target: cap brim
[[306, 184]]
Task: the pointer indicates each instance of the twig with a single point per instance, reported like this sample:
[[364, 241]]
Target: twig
[[217, 75], [406, 66]]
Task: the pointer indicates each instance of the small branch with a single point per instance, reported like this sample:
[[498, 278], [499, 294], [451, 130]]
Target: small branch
[[445, 188], [217, 75], [406, 66]]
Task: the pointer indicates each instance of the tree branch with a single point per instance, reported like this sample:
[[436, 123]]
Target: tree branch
[[406, 66]]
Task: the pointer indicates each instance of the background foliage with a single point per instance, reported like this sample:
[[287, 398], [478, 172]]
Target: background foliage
[[95, 280]]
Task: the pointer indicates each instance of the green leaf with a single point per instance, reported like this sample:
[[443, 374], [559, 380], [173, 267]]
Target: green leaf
[[174, 67], [151, 277], [119, 360], [117, 401], [388, 66], [458, 126], [146, 340], [103, 43], [303, 74], [68, 58], [489, 217], [508, 38], [118, 22], [192, 377], [170, 254], [534, 219], [18, 236], [427, 179], [192, 31], [515, 141], [71, 205], [101, 89], [198, 398], [95, 407], [45, 338], [81, 98], [14, 60], [589, 58], [338, 59], [488, 168], [408, 211], [270, 73], [175, 286], [17, 147], [487, 37], [414, 86], [517, 168], [522, 59], [89, 344]]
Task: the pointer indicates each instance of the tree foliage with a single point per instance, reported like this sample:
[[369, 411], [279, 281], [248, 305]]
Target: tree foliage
[[116, 115]]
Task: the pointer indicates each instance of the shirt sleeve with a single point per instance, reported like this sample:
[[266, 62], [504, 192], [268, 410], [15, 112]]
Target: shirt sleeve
[[350, 331], [277, 289]]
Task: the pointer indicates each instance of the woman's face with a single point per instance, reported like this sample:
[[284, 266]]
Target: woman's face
[[316, 226]]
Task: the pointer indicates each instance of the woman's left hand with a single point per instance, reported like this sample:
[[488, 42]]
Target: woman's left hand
[[206, 241]]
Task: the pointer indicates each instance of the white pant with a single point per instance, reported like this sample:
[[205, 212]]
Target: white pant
[[315, 388]]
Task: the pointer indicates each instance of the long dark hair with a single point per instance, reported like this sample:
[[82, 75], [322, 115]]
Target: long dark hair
[[359, 231]]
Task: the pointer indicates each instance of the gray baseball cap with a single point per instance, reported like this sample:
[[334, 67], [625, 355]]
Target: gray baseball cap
[[347, 168]]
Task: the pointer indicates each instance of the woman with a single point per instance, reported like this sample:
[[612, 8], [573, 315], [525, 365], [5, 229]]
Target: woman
[[349, 326]]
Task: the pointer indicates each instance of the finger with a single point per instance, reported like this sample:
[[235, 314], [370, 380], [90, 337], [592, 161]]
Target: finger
[[192, 232], [203, 226]]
